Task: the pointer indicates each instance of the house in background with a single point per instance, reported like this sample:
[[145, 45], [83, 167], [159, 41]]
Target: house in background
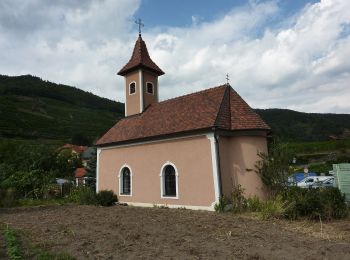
[[79, 158], [182, 152], [77, 149], [80, 176]]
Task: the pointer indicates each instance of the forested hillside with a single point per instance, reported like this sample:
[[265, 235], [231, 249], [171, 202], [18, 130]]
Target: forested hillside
[[33, 108], [291, 125]]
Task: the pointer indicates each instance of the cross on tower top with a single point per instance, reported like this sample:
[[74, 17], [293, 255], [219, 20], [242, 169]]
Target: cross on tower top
[[140, 24], [227, 78]]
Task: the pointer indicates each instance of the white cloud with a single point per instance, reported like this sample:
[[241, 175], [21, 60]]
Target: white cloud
[[301, 64], [285, 67], [80, 43]]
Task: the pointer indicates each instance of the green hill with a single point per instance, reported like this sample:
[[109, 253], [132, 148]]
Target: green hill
[[291, 125], [31, 108]]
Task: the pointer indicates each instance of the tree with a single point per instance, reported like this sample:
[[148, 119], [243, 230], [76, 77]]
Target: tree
[[273, 168], [25, 169], [80, 139], [91, 170], [66, 163]]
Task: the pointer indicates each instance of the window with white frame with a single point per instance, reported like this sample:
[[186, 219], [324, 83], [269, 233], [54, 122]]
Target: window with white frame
[[125, 181], [149, 87], [169, 181], [132, 88]]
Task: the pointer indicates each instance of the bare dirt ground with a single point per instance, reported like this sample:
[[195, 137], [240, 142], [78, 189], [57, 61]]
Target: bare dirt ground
[[119, 232]]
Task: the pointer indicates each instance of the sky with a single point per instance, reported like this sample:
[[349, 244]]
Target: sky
[[292, 54]]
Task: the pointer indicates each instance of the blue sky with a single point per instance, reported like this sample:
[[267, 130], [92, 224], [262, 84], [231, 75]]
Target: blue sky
[[180, 12], [279, 54]]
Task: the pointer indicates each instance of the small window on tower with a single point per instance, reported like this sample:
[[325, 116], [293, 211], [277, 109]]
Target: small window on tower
[[149, 88], [132, 88]]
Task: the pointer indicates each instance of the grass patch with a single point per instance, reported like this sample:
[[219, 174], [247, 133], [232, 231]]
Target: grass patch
[[13, 246], [319, 146], [15, 250]]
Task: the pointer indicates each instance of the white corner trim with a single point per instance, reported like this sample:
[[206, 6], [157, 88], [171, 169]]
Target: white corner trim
[[215, 165], [98, 168], [120, 183], [162, 188], [173, 206], [141, 90], [126, 99], [156, 87]]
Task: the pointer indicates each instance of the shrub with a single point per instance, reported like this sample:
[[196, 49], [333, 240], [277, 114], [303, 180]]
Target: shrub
[[254, 204], [239, 203], [83, 196], [334, 203], [51, 191], [273, 208], [273, 168], [220, 206], [326, 203], [8, 197], [106, 198]]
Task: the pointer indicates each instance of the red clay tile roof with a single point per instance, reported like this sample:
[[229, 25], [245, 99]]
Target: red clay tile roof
[[75, 148], [219, 107], [80, 172], [140, 59]]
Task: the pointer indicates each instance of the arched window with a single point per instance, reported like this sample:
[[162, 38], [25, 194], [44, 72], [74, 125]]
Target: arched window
[[125, 181], [149, 86], [132, 88], [169, 181]]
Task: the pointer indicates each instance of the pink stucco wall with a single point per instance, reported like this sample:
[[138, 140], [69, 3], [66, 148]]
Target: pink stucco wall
[[149, 98], [132, 101], [191, 156], [238, 158], [193, 161]]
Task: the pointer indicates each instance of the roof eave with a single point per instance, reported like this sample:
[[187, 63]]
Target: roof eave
[[123, 71], [188, 133], [249, 131]]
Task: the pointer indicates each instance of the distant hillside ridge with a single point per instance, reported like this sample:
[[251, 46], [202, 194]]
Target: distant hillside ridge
[[32, 86], [32, 108], [289, 125]]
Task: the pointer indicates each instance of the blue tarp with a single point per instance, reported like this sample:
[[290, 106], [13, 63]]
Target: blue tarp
[[299, 176]]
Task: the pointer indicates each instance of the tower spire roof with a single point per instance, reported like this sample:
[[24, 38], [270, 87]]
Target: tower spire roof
[[140, 59]]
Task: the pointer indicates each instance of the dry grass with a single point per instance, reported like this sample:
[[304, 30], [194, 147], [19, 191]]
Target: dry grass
[[335, 230]]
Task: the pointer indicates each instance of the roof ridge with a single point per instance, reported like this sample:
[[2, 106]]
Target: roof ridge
[[140, 48], [193, 93], [242, 107], [140, 58], [222, 109]]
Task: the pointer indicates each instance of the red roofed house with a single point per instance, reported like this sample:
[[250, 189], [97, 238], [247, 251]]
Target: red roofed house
[[80, 175], [78, 149], [182, 152]]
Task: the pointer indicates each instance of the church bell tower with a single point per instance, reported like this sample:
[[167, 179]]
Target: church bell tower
[[141, 80]]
